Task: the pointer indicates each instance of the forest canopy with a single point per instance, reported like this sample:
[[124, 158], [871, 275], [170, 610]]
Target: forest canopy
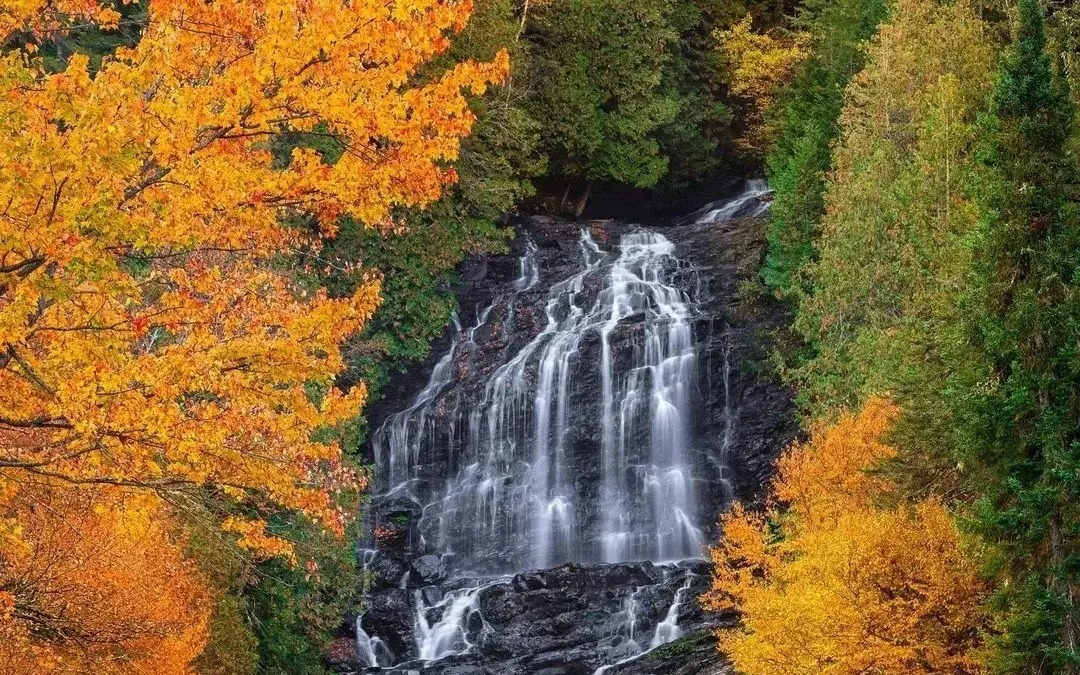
[[227, 225], [924, 232]]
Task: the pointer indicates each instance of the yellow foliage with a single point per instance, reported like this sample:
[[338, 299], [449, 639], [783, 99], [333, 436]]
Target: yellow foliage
[[146, 338], [44, 17], [894, 243], [758, 64], [150, 339], [101, 587], [847, 579], [253, 538]]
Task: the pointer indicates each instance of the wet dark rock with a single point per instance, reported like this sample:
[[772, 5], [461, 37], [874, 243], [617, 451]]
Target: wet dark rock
[[693, 654], [571, 619], [474, 270], [431, 595], [385, 571], [529, 581], [389, 614], [427, 570], [398, 524], [563, 620]]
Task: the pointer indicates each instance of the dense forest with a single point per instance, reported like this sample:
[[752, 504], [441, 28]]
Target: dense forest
[[925, 230], [227, 224]]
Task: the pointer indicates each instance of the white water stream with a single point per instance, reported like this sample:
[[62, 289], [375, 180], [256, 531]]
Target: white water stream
[[510, 488]]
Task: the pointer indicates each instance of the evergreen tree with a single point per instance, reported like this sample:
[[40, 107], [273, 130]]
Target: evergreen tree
[[599, 70], [1022, 421], [807, 120], [892, 252], [696, 142]]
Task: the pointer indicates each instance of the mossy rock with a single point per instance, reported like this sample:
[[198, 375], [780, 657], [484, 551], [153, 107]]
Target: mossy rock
[[683, 646]]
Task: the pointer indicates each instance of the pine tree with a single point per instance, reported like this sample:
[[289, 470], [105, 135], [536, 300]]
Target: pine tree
[[807, 125], [599, 70], [1021, 422]]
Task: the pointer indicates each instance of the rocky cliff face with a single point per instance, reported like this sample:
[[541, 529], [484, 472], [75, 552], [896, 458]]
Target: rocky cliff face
[[600, 402]]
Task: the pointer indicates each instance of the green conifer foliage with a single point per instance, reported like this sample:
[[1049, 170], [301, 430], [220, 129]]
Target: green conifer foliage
[[599, 69], [807, 116], [1022, 421]]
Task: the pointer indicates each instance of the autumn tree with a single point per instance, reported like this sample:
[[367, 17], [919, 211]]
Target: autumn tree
[[417, 258], [758, 64], [142, 328], [97, 583], [880, 304], [150, 338], [842, 577]]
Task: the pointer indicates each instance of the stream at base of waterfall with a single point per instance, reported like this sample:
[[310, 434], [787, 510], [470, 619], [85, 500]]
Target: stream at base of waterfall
[[545, 496]]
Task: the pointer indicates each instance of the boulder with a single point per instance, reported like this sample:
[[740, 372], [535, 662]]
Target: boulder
[[389, 615], [427, 570], [384, 571]]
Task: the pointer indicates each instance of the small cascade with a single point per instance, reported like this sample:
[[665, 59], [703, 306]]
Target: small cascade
[[373, 651], [443, 629], [626, 620], [528, 267], [728, 422], [753, 202], [668, 629]]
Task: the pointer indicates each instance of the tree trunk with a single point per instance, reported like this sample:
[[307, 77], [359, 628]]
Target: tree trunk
[[524, 18], [1068, 627], [565, 197], [583, 202]]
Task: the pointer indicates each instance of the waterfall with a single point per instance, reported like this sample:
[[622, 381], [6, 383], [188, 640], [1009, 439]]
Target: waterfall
[[668, 629], [753, 202], [511, 488], [563, 423], [656, 385], [458, 615], [372, 650]]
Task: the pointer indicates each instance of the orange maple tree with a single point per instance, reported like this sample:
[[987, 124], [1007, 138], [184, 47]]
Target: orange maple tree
[[150, 337], [44, 18], [142, 324], [98, 584], [846, 578]]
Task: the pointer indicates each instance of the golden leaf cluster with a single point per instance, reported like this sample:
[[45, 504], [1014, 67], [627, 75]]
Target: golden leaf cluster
[[99, 585], [758, 65], [150, 337], [840, 576]]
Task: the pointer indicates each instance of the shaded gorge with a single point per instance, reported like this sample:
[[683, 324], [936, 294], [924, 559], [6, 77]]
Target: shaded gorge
[[546, 485]]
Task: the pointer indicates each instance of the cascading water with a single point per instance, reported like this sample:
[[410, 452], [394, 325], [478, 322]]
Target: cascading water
[[372, 650], [458, 613], [752, 203], [668, 629], [510, 471], [653, 390], [505, 471]]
